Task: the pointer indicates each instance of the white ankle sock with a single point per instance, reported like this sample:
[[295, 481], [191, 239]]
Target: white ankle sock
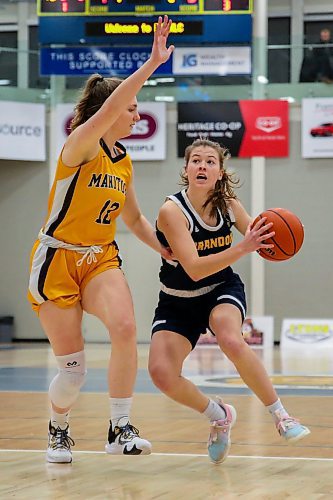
[[59, 419], [277, 410], [214, 411], [120, 409]]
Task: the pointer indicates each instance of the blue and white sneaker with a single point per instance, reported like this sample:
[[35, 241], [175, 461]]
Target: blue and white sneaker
[[219, 439], [290, 428]]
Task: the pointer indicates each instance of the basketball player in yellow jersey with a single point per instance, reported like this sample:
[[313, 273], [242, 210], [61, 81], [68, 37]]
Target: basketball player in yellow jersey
[[75, 265]]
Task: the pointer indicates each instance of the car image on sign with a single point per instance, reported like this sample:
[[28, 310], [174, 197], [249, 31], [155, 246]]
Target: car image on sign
[[323, 130]]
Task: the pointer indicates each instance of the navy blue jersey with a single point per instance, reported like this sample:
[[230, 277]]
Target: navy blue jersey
[[208, 240]]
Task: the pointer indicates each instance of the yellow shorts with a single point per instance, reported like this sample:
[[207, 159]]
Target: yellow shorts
[[55, 276]]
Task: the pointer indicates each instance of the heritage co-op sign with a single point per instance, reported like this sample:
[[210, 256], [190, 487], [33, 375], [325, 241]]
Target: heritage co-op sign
[[246, 128]]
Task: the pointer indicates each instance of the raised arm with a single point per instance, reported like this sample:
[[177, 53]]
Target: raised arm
[[82, 144]]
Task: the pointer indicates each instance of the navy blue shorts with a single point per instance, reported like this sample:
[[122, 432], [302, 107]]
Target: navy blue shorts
[[190, 316]]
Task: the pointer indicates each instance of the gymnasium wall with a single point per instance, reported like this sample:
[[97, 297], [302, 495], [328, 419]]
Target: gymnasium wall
[[301, 287]]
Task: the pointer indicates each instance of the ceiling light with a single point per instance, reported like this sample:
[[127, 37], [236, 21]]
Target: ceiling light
[[164, 98], [262, 79]]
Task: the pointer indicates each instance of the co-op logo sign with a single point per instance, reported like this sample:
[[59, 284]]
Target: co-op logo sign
[[268, 124], [145, 128]]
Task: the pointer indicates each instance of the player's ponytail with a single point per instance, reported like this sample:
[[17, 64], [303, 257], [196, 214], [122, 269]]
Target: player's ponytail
[[96, 90], [222, 193]]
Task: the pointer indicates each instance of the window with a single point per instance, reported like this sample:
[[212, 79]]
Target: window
[[35, 80], [8, 59], [279, 59]]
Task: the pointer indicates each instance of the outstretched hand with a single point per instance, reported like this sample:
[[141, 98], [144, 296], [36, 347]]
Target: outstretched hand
[[160, 52]]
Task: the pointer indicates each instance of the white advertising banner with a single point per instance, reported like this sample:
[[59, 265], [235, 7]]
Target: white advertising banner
[[257, 331], [306, 333], [212, 61], [317, 128], [63, 116], [148, 138], [22, 131]]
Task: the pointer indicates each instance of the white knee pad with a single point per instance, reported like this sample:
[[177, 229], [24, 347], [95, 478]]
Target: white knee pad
[[65, 387]]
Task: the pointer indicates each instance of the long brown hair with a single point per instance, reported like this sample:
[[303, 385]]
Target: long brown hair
[[95, 92], [223, 190]]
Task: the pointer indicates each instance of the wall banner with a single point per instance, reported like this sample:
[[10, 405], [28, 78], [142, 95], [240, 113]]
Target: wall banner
[[107, 61], [306, 332], [147, 141], [317, 128], [22, 131], [257, 331], [246, 128], [221, 61]]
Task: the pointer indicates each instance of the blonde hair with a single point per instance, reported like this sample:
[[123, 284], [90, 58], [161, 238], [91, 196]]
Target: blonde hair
[[224, 188], [95, 92]]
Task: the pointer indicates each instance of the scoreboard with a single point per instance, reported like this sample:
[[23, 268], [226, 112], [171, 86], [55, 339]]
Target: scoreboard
[[132, 22], [143, 7]]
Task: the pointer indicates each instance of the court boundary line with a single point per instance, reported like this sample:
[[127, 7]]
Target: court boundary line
[[193, 455]]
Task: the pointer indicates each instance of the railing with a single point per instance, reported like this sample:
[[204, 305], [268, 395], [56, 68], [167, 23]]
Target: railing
[[279, 83]]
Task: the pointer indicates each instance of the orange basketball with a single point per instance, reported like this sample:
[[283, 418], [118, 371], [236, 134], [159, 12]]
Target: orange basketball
[[289, 234]]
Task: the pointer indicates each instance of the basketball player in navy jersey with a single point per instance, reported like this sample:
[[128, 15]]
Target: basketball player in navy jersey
[[199, 290]]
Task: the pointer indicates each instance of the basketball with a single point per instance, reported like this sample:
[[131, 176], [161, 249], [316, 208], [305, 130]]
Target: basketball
[[289, 234]]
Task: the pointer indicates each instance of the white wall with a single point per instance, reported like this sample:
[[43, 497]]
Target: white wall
[[301, 287]]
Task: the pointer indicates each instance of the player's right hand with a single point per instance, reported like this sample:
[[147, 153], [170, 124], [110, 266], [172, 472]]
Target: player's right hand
[[257, 234]]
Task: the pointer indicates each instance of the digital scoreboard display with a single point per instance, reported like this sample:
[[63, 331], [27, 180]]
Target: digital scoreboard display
[[142, 7], [124, 22]]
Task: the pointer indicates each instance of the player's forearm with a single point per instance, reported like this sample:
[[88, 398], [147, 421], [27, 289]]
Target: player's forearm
[[129, 88], [201, 267], [145, 232]]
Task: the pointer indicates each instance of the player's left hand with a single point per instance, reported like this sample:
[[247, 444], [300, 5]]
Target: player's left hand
[[160, 52]]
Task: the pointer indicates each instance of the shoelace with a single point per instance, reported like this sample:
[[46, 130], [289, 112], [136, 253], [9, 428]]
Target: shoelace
[[129, 431], [286, 423], [61, 439], [216, 427]]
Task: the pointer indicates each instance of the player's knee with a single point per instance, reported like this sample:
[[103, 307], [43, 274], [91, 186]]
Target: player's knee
[[162, 377], [65, 387], [124, 332]]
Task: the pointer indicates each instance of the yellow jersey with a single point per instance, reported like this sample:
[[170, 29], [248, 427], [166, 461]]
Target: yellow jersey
[[85, 201]]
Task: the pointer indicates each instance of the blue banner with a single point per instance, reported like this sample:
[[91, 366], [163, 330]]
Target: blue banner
[[108, 61]]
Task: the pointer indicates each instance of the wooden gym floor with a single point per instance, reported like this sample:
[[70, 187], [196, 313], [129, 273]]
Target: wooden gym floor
[[260, 465]]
